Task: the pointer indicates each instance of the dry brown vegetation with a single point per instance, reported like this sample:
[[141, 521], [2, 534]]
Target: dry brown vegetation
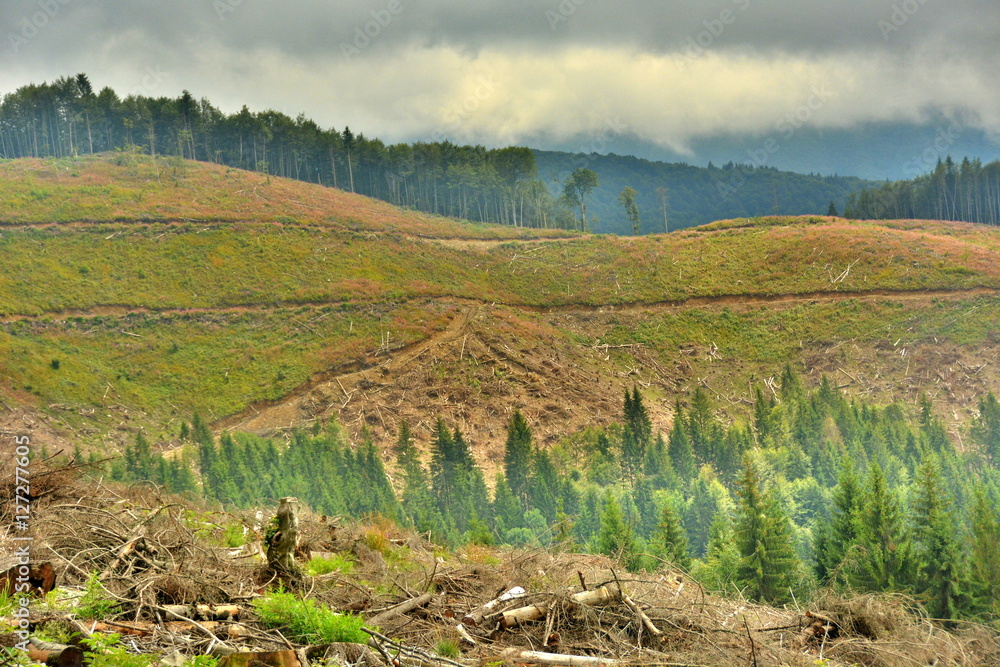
[[151, 552]]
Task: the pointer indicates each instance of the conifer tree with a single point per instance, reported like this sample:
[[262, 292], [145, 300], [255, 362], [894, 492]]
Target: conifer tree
[[681, 453], [508, 512], [718, 572], [699, 515], [517, 455], [642, 494], [985, 429], [615, 537], [984, 554], [838, 533], [881, 561], [935, 542], [768, 567], [670, 538], [636, 434]]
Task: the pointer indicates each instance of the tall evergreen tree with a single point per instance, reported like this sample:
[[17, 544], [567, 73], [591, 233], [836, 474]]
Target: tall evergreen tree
[[935, 542], [881, 562], [838, 533], [984, 554], [681, 453], [615, 537], [517, 455], [670, 538], [768, 567], [985, 429]]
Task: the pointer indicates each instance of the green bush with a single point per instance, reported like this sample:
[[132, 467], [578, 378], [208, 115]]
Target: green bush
[[307, 621], [320, 565], [96, 602]]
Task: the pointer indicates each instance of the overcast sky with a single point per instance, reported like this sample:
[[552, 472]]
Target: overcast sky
[[547, 71]]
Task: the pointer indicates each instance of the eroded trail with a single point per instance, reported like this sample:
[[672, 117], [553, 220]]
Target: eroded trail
[[377, 391]]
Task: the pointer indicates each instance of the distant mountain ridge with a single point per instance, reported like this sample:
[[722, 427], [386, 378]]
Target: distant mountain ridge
[[694, 195]]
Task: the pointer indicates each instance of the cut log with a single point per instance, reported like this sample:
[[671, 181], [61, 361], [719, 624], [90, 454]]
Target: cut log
[[534, 612], [41, 579], [282, 544], [520, 656], [464, 634], [404, 607], [476, 617], [537, 612], [643, 618], [221, 612], [59, 655]]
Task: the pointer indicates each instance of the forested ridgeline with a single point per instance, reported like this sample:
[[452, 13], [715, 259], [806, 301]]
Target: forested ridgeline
[[510, 186], [810, 489], [968, 191]]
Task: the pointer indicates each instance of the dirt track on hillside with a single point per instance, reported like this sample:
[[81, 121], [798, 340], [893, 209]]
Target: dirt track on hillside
[[492, 358]]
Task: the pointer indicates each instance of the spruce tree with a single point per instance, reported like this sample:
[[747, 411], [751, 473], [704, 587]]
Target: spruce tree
[[838, 533], [670, 539], [768, 567], [615, 537], [935, 542], [985, 429], [881, 562], [984, 555], [517, 455], [679, 447]]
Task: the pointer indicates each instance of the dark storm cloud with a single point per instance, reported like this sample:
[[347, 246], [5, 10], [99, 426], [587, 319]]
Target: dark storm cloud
[[664, 71]]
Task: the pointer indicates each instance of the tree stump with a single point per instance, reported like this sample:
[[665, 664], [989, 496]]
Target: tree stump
[[283, 538]]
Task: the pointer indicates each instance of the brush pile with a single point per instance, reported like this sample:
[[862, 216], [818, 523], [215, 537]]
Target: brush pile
[[158, 571]]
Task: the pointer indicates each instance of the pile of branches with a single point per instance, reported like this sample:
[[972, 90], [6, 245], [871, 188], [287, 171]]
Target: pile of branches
[[177, 592]]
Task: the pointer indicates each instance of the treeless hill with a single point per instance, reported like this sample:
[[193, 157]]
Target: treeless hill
[[135, 292]]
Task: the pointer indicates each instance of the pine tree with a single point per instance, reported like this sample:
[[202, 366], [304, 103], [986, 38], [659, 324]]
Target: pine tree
[[984, 555], [838, 533], [768, 567], [670, 538], [679, 447], [615, 536], [935, 542], [517, 455], [881, 561]]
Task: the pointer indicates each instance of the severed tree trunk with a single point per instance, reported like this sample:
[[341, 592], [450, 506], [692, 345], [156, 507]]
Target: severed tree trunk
[[282, 543], [518, 656]]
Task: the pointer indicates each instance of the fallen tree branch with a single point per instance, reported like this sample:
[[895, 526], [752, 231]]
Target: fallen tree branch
[[404, 607], [521, 656]]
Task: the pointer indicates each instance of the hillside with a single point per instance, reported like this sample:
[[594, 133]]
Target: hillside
[[695, 195], [136, 293]]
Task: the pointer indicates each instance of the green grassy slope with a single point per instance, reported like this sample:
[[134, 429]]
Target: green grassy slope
[[172, 286]]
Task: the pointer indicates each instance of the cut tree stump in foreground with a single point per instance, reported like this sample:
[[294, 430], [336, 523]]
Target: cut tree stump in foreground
[[282, 543]]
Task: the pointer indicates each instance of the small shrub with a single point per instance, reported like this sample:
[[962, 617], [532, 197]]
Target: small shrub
[[55, 364], [234, 535], [320, 565], [447, 648], [105, 650], [307, 621], [96, 602]]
